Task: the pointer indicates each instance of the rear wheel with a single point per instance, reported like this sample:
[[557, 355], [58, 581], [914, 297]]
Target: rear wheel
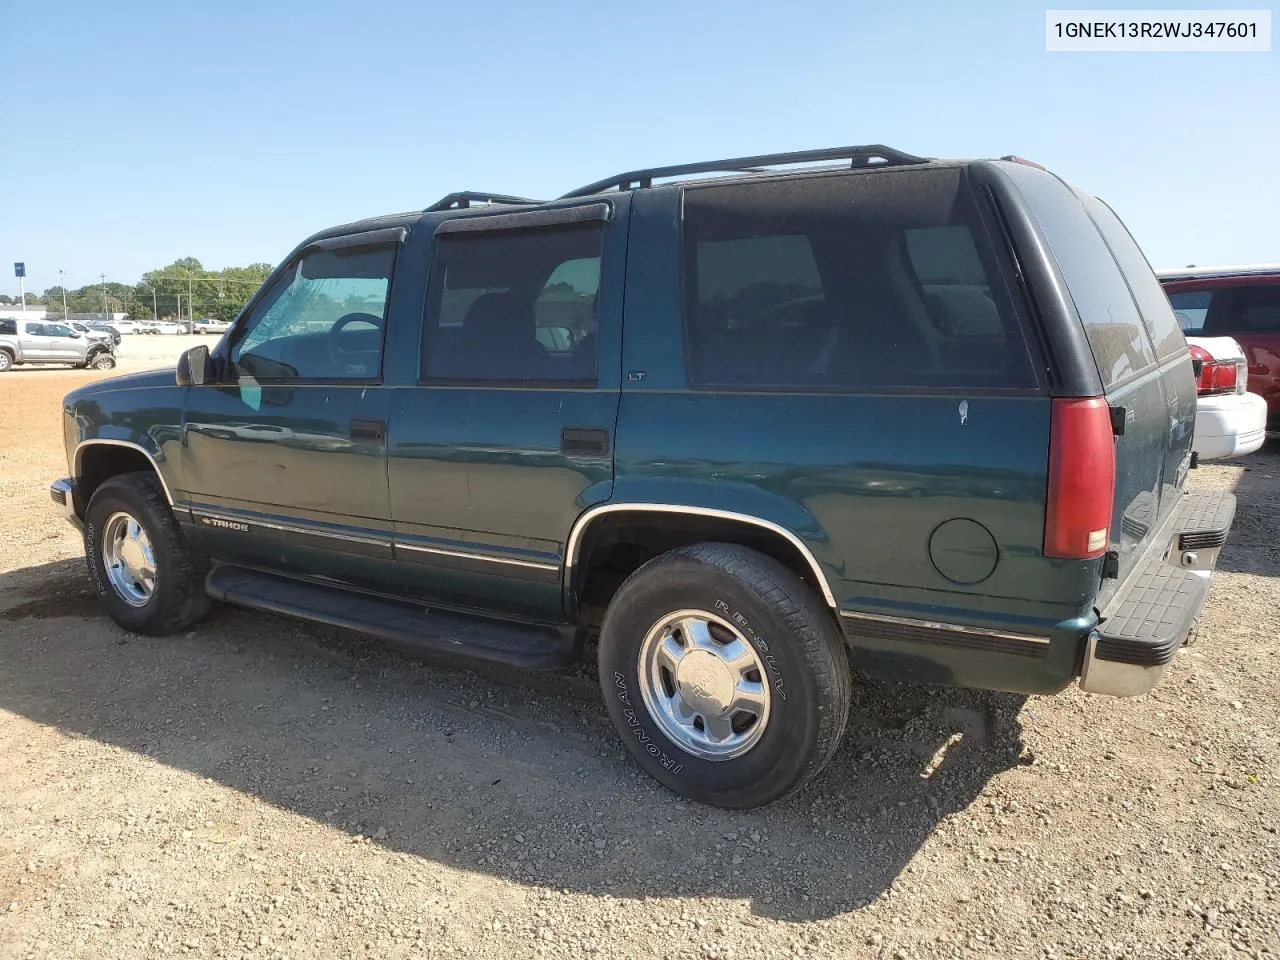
[[148, 577], [725, 674], [6, 361]]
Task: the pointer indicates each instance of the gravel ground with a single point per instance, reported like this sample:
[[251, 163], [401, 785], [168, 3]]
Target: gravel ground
[[262, 788]]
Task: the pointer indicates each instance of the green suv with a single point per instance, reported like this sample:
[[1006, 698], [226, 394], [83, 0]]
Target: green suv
[[757, 424]]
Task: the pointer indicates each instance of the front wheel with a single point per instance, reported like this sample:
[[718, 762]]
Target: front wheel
[[725, 674], [103, 362], [148, 577]]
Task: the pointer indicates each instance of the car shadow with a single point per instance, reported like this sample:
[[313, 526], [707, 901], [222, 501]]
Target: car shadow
[[1253, 545], [515, 775]]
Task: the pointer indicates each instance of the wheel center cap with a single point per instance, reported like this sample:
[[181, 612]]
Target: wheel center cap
[[131, 554], [706, 682]]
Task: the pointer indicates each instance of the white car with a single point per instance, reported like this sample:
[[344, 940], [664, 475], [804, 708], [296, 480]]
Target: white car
[[168, 326], [210, 325], [1230, 421], [125, 326]]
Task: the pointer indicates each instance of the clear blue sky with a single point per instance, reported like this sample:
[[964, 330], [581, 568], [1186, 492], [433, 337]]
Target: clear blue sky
[[136, 133]]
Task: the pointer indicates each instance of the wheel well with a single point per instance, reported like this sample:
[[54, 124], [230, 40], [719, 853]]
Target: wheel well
[[615, 545], [100, 462], [7, 350]]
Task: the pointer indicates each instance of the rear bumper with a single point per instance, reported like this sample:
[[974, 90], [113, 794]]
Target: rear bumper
[[1230, 426], [63, 493], [1150, 616]]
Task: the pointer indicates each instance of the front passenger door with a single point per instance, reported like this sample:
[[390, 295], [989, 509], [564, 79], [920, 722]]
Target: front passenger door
[[289, 444], [64, 343], [35, 342]]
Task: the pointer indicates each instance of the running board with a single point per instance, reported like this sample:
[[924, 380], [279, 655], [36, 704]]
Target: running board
[[530, 647]]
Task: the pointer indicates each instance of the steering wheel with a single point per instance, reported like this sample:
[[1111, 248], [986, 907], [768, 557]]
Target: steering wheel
[[343, 359]]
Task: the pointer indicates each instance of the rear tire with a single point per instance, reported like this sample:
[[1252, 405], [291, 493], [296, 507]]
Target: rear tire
[[763, 720], [148, 577], [6, 361]]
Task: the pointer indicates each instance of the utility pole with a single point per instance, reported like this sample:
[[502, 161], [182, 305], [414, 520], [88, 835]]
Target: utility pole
[[62, 282], [106, 307], [155, 311], [191, 317]]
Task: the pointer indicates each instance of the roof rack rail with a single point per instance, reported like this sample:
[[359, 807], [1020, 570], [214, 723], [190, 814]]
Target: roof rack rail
[[860, 156], [464, 198]]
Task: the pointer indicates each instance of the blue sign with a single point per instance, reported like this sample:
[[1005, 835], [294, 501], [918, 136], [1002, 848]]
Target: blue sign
[[19, 269]]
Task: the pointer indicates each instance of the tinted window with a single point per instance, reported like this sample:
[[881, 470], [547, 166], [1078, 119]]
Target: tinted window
[[1162, 326], [322, 319], [1190, 307], [58, 330], [8, 328], [1252, 309], [514, 306], [36, 330], [1098, 289], [845, 282]]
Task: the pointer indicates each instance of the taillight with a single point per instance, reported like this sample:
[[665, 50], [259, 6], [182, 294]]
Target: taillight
[[1218, 376], [1082, 479]]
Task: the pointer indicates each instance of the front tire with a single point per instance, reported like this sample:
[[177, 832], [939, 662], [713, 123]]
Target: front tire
[[148, 578], [725, 674], [103, 362]]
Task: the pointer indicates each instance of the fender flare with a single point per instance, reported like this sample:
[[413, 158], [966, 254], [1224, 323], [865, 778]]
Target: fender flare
[[101, 441], [574, 542]]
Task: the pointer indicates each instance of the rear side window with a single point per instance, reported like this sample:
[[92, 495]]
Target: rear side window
[[1250, 309], [8, 328], [1190, 307], [36, 330], [1147, 292], [846, 282], [1098, 289], [514, 306]]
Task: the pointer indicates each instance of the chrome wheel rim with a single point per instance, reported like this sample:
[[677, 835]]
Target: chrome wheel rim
[[704, 685], [4, 360], [128, 559]]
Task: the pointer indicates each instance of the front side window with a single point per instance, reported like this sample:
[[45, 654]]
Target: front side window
[[322, 319], [1190, 307], [58, 330], [844, 283], [514, 306]]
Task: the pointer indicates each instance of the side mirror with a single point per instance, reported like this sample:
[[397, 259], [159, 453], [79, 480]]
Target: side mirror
[[195, 367]]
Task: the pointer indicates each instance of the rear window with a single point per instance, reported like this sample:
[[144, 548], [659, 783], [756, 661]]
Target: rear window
[[1248, 309], [1152, 303], [846, 282], [8, 328], [1102, 298]]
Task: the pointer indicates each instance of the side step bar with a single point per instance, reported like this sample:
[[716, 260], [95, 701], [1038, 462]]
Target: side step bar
[[530, 647]]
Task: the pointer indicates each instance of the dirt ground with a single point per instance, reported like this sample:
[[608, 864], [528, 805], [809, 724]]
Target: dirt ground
[[262, 788]]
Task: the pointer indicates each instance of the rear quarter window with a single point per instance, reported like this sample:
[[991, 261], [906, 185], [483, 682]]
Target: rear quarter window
[[8, 328], [846, 283], [1098, 289]]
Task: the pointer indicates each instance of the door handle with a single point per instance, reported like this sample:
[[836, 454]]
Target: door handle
[[367, 430], [584, 440]]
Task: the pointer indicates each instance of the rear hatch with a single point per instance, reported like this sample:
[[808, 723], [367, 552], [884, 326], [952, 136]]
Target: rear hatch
[[1144, 369]]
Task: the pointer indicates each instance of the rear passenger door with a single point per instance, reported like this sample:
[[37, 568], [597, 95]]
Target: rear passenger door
[[508, 435]]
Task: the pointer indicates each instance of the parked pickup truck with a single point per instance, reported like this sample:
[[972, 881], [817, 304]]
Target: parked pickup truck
[[752, 426], [41, 342]]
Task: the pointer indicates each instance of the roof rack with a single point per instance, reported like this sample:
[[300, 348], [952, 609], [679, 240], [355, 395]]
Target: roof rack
[[860, 156], [464, 198]]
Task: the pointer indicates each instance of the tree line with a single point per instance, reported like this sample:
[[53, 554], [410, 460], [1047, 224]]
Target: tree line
[[182, 290]]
